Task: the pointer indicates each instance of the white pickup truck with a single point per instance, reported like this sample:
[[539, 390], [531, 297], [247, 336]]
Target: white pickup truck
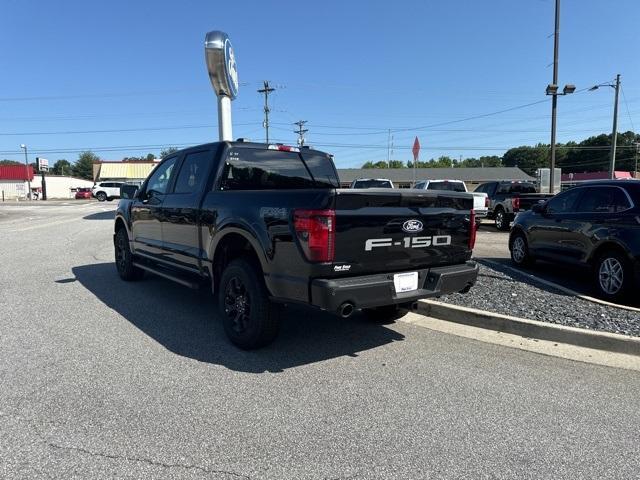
[[480, 199]]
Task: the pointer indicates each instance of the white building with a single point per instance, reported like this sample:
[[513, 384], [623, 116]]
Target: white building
[[14, 183]]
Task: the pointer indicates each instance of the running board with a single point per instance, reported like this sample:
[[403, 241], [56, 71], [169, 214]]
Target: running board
[[168, 276]]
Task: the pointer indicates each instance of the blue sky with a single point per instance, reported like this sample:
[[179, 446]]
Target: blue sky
[[353, 70]]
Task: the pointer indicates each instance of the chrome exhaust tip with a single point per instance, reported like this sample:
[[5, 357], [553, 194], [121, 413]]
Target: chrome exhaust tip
[[346, 309]]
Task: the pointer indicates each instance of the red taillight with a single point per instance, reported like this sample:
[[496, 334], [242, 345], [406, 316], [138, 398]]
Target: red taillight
[[516, 203], [316, 231], [486, 202], [472, 229]]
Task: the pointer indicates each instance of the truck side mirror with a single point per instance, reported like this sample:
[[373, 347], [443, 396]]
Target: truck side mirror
[[128, 191]]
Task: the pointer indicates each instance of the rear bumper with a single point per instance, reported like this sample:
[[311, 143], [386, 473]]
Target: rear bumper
[[481, 213], [378, 290]]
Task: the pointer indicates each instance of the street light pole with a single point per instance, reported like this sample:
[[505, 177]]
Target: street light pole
[[614, 133], [554, 99], [26, 170]]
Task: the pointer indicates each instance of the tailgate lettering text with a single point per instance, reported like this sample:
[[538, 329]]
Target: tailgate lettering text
[[408, 242]]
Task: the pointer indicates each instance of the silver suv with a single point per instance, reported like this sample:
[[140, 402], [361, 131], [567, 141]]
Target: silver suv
[[106, 190]]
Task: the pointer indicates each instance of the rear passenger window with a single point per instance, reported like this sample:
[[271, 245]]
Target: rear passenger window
[[255, 169], [193, 172], [321, 168], [603, 200]]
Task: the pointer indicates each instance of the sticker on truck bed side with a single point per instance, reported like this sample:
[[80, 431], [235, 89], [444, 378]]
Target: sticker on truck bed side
[[408, 242]]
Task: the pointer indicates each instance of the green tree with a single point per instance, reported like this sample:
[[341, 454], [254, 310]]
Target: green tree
[[10, 162], [380, 164], [149, 157], [396, 164], [482, 162], [83, 168], [527, 158], [170, 150], [62, 167]]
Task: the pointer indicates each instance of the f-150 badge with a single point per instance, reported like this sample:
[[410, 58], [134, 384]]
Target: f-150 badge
[[408, 242]]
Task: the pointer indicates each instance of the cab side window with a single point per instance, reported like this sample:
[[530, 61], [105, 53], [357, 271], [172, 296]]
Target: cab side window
[[159, 181], [193, 172]]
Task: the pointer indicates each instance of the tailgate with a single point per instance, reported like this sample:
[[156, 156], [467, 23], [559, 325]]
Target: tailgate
[[479, 201], [391, 230]]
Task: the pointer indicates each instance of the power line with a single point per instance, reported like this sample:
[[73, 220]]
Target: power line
[[624, 98], [119, 130]]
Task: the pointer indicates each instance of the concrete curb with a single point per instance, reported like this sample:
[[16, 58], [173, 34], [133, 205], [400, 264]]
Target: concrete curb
[[610, 342]]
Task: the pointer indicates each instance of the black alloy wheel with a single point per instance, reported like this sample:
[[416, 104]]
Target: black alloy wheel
[[248, 316], [124, 260], [502, 223]]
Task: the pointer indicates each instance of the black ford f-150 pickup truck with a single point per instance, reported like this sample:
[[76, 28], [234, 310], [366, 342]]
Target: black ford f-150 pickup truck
[[267, 224]]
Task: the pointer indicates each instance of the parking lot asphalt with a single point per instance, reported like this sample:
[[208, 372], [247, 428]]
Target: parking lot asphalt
[[102, 378]]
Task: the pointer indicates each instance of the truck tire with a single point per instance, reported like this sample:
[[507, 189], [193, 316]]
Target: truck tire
[[519, 249], [248, 316], [124, 259], [101, 196], [502, 220], [613, 275], [386, 314]]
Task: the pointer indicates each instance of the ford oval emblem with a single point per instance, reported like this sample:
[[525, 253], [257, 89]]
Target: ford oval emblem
[[412, 226]]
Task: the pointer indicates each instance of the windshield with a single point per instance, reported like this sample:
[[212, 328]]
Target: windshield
[[451, 186], [372, 184]]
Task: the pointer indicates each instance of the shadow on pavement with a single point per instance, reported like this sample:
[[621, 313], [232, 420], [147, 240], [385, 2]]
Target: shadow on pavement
[[109, 215], [186, 322]]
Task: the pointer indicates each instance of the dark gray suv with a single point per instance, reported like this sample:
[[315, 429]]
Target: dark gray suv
[[595, 225]]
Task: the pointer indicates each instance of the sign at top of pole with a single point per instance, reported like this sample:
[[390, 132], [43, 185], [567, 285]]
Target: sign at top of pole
[[416, 149], [221, 64]]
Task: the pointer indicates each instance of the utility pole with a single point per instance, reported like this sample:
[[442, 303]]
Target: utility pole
[[635, 170], [26, 170], [388, 146], [614, 133], [267, 89], [301, 131], [554, 99]]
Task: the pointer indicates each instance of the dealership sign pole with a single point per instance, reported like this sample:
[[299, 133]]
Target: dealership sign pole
[[223, 73]]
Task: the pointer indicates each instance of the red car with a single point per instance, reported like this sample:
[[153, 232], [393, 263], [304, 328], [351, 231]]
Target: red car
[[82, 193]]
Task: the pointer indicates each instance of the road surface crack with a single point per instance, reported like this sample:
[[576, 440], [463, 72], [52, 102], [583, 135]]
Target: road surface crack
[[112, 456], [147, 461]]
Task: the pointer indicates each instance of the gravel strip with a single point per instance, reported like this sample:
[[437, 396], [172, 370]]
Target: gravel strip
[[509, 293]]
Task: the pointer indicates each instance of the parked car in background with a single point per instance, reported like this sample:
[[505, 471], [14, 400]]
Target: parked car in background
[[83, 193], [372, 183], [480, 199], [508, 198], [106, 190], [595, 225]]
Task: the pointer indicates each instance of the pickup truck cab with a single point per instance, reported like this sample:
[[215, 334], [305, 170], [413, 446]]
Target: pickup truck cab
[[267, 224], [508, 198], [480, 199]]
